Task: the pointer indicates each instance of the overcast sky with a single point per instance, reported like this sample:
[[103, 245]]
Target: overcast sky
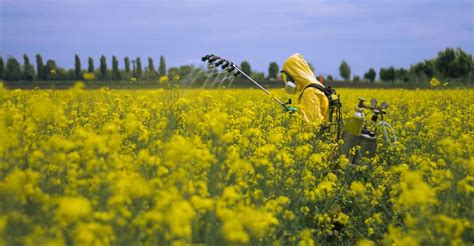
[[364, 33]]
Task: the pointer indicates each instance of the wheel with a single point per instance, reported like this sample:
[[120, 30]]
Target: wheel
[[387, 131]]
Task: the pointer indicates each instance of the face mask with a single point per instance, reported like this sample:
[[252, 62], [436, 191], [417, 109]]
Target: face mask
[[290, 87]]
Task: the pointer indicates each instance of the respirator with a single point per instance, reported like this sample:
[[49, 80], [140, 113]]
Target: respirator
[[290, 86]]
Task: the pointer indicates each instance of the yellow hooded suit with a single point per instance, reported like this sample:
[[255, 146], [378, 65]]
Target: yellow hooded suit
[[312, 103]]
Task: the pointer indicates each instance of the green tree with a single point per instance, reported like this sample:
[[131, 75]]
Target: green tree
[[77, 67], [115, 69], [445, 62], [424, 69], [401, 75], [134, 68], [370, 75], [60, 74], [246, 68], [453, 63], [387, 74], [139, 68], [162, 66], [51, 71], [151, 69], [345, 70], [103, 68], [151, 65], [90, 67], [126, 60], [258, 76], [330, 78], [2, 68], [28, 69], [356, 78], [13, 70], [273, 70], [71, 74], [173, 74], [40, 67], [464, 64], [186, 71]]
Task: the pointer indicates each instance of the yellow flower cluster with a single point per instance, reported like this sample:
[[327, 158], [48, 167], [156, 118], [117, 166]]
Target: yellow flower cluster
[[224, 167]]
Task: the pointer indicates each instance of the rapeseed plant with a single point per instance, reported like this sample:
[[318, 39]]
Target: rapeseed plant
[[228, 167]]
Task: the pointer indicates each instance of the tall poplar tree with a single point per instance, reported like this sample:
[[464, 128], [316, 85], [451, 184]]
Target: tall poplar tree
[[139, 67], [103, 67], [90, 63], [2, 68], [115, 69], [40, 67], [28, 69], [126, 60], [77, 67], [162, 67]]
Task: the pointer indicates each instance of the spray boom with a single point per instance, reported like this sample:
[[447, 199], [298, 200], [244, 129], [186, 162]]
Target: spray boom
[[230, 67]]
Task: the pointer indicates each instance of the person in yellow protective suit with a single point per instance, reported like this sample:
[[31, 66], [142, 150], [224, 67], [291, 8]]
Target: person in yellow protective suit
[[312, 103]]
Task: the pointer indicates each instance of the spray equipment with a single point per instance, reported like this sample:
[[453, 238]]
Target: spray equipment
[[361, 134], [231, 68]]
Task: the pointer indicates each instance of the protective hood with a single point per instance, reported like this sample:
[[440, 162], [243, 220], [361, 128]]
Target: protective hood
[[300, 71]]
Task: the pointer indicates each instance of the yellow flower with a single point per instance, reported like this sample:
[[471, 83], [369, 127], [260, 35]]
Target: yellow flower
[[414, 191], [201, 203], [306, 238], [357, 187], [365, 242], [180, 166], [72, 209], [89, 76], [342, 218], [163, 79], [233, 231], [466, 186], [79, 85], [434, 82]]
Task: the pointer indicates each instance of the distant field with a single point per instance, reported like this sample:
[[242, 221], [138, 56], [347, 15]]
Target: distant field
[[235, 84], [219, 167]]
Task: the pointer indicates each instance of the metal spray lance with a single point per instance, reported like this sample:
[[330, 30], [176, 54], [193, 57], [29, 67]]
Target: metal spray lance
[[231, 67]]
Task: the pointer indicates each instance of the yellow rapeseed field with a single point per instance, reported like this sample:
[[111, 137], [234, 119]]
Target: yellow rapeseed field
[[154, 167]]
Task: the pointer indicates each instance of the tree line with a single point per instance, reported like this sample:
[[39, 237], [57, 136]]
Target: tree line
[[452, 65], [133, 69], [50, 71]]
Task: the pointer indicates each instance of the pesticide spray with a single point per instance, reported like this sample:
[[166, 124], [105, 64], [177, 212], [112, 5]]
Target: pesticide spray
[[230, 67]]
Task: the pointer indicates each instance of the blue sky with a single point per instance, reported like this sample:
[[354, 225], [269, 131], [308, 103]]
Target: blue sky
[[369, 33]]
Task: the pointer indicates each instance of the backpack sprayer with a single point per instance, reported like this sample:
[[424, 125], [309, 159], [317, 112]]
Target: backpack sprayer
[[333, 127], [231, 67], [360, 137], [356, 133]]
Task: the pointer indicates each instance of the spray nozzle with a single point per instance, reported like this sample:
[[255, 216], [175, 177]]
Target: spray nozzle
[[225, 65], [213, 58], [217, 61], [220, 62], [206, 57]]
